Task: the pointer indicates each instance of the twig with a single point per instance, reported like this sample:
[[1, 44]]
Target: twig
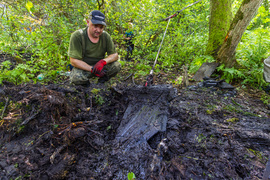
[[64, 82], [129, 76], [26, 121], [71, 125], [91, 104], [94, 132], [158, 97], [185, 77], [133, 80], [5, 57], [92, 145], [58, 150], [38, 140], [6, 105]]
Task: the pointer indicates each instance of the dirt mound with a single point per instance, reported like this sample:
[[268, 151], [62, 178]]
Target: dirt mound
[[66, 132]]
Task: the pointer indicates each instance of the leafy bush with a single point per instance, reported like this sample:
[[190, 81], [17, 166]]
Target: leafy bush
[[44, 28], [250, 54]]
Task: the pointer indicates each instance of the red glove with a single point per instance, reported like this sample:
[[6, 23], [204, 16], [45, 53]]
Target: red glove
[[101, 74], [97, 68]]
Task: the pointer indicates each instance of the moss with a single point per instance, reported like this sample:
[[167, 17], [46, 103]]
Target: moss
[[232, 120], [95, 91], [219, 25], [209, 112], [258, 154], [231, 108]]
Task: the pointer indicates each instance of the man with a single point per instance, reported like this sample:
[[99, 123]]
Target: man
[[87, 50], [128, 39]]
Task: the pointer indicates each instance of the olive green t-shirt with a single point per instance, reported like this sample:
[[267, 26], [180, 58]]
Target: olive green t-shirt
[[93, 51]]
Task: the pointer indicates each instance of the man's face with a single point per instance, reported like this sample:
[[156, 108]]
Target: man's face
[[95, 30]]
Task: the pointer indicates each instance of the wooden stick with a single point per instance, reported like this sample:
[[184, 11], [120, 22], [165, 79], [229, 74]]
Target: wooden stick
[[6, 105]]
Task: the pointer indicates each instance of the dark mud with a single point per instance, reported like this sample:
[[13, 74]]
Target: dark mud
[[66, 132]]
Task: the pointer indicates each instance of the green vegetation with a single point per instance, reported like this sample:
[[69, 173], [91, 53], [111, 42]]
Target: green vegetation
[[41, 29], [200, 138], [258, 154], [95, 91], [232, 120], [98, 98], [265, 99], [230, 108], [131, 176]]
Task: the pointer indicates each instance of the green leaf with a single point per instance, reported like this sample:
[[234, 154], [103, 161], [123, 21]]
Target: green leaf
[[29, 5], [131, 176]]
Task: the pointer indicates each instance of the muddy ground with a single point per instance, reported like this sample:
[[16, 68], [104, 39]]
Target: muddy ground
[[105, 131], [58, 131]]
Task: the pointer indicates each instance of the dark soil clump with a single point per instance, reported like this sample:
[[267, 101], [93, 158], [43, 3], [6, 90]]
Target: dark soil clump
[[106, 131]]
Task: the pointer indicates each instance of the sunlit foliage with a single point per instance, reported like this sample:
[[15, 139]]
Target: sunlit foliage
[[43, 28]]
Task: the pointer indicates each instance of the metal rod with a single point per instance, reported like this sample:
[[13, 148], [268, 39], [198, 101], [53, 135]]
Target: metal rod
[[169, 19], [177, 12], [188, 6], [151, 72]]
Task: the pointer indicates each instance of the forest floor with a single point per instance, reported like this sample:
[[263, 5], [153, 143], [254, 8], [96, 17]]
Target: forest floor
[[105, 131]]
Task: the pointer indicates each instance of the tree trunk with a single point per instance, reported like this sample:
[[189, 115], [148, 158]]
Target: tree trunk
[[219, 24], [238, 26]]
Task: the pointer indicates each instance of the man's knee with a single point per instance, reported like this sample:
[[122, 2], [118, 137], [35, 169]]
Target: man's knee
[[79, 77], [117, 66], [113, 69]]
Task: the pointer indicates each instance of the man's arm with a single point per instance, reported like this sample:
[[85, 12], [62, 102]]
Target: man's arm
[[80, 64], [111, 58], [84, 66]]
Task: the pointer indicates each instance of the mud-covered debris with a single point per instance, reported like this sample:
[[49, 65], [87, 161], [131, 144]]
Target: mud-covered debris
[[208, 135], [162, 148], [266, 174], [140, 123], [56, 153], [61, 169], [77, 132], [146, 115]]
